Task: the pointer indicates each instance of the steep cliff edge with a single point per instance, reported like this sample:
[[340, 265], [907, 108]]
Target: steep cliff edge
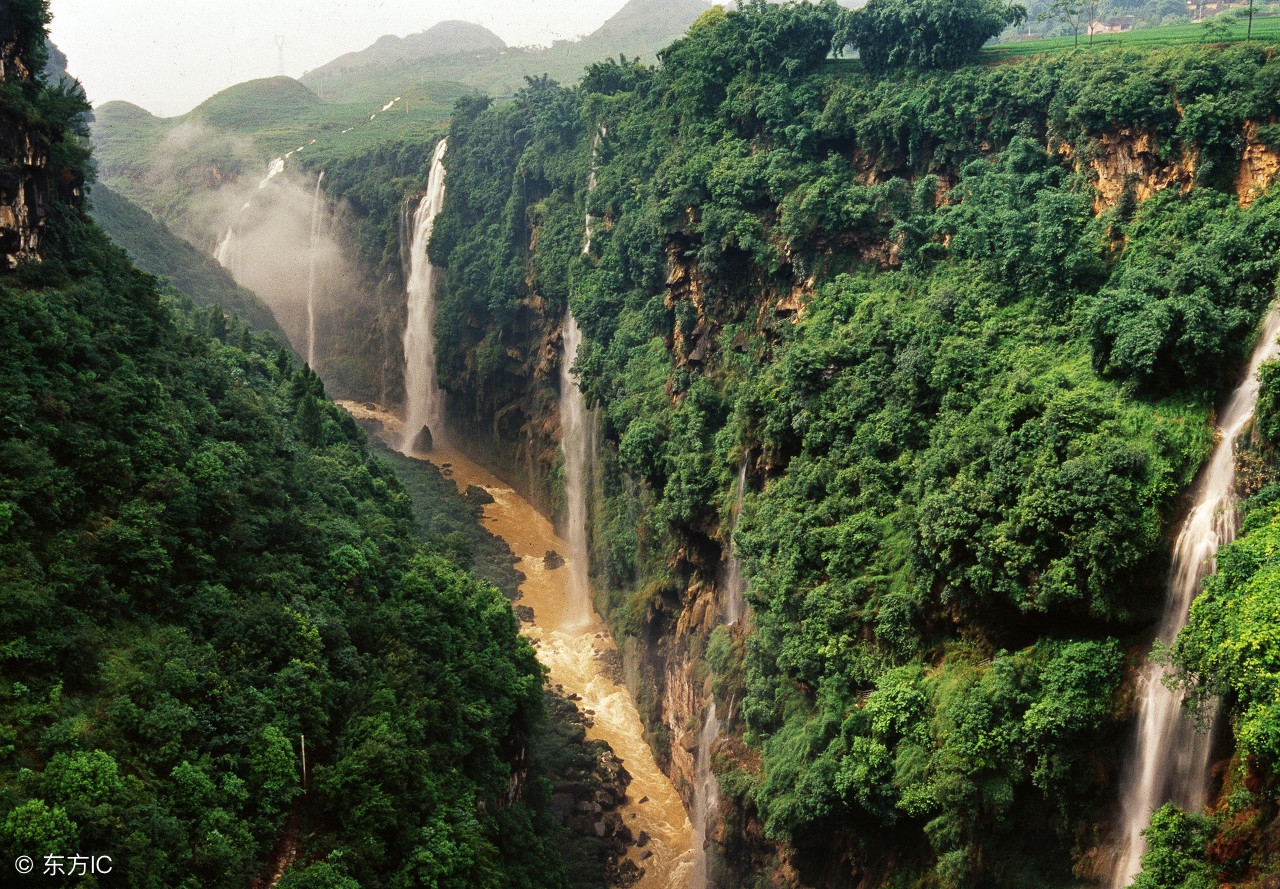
[[24, 177]]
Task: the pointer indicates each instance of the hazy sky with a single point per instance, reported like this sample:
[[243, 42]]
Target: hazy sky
[[170, 55]]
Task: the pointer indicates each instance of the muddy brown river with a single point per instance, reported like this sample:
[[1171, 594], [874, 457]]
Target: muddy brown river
[[571, 653]]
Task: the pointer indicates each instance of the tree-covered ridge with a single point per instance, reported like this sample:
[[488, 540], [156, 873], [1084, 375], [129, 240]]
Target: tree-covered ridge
[[968, 392], [200, 565]]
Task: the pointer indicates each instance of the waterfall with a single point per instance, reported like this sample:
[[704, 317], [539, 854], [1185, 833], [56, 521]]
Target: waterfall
[[735, 585], [706, 796], [706, 790], [577, 442], [1169, 758], [311, 273], [576, 445], [424, 402], [222, 254]]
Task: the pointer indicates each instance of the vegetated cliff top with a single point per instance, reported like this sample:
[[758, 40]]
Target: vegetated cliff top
[[441, 39]]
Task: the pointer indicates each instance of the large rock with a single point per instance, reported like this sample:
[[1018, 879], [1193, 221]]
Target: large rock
[[422, 441]]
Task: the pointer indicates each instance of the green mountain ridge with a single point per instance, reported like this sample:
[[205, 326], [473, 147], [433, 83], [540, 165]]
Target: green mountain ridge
[[441, 39], [640, 28]]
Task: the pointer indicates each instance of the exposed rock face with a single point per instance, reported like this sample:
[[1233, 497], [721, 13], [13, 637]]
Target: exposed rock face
[[423, 441], [1259, 164], [1129, 159], [512, 421], [24, 158]]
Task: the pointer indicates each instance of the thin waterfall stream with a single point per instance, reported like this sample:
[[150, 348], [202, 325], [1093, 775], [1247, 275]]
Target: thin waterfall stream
[[735, 602], [311, 274], [706, 790], [576, 432], [706, 797], [1169, 760]]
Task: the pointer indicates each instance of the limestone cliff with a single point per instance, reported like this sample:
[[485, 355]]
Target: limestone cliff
[[24, 157]]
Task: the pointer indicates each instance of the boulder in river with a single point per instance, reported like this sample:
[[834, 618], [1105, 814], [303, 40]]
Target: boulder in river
[[422, 441], [476, 494], [552, 560]]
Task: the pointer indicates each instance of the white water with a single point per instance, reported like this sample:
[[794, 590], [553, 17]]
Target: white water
[[735, 585], [706, 796], [424, 402], [575, 444], [577, 440], [274, 170], [311, 274], [1170, 758], [223, 252]]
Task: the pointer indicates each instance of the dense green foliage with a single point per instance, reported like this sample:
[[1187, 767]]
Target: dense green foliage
[[966, 446], [201, 564], [925, 34]]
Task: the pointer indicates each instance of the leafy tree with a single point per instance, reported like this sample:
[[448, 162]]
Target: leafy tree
[[923, 35], [1074, 14], [1175, 856], [36, 830]]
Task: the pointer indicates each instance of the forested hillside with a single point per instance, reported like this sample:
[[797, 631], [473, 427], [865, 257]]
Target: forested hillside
[[966, 326], [233, 652], [918, 346]]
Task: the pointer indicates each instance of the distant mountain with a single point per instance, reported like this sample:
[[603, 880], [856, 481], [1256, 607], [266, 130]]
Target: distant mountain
[[443, 39], [645, 22], [256, 103], [640, 28]]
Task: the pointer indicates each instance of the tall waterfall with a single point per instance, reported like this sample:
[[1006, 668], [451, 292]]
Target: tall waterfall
[[311, 272], [1169, 759], [577, 443], [735, 605], [424, 401], [706, 796], [576, 431]]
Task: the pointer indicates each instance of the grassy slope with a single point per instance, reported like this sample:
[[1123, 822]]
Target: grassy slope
[[157, 250], [1264, 30]]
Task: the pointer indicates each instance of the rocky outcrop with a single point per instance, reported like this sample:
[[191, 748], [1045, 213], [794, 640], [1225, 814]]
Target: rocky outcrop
[[587, 800], [1128, 160], [512, 420], [1259, 164], [24, 157]]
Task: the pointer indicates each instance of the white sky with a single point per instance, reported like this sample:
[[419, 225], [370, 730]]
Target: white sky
[[170, 55]]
